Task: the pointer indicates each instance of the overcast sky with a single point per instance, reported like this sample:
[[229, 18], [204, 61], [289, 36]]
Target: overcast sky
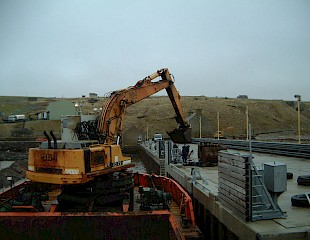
[[68, 48]]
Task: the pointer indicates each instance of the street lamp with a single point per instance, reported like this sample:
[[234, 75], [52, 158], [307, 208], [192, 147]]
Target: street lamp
[[10, 179], [298, 114], [78, 107]]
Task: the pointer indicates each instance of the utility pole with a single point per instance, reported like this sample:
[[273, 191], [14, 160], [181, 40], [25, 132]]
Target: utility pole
[[247, 122], [1, 176], [298, 117], [218, 125], [199, 127]]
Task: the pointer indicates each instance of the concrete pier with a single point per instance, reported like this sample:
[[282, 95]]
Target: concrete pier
[[218, 222]]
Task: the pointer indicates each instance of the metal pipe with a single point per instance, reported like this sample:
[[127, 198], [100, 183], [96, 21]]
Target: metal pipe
[[278, 148], [49, 145], [54, 138]]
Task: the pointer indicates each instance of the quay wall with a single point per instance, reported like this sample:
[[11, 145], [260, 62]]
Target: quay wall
[[215, 221]]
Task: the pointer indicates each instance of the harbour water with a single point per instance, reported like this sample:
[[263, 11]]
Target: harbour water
[[141, 165], [5, 164]]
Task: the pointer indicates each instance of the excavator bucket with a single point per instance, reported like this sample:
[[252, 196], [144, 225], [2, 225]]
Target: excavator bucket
[[180, 135]]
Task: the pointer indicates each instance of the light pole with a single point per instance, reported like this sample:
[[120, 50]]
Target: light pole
[[218, 125], [247, 122], [78, 107], [1, 176], [199, 127], [298, 114]]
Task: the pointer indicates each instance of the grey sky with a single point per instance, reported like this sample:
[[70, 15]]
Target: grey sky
[[214, 48]]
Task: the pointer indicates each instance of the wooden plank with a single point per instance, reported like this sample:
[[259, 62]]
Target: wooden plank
[[234, 162], [241, 177], [234, 192], [243, 184], [242, 171], [232, 185], [241, 202], [234, 157], [232, 205], [244, 217]]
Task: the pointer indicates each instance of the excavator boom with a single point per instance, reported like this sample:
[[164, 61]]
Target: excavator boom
[[112, 118]]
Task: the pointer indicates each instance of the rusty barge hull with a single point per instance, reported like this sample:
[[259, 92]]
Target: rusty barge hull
[[152, 225], [25, 222]]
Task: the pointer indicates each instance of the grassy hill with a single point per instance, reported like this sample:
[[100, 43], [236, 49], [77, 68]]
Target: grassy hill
[[274, 119]]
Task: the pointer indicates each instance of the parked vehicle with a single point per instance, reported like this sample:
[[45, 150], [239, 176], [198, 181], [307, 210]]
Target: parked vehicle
[[158, 137], [16, 118]]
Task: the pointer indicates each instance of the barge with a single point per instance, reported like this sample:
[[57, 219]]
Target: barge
[[156, 208]]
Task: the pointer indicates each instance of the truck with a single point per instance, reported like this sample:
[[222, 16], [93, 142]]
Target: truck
[[16, 118], [158, 137]]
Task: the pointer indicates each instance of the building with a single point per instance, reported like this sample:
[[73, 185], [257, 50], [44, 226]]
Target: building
[[93, 95], [243, 96], [61, 108], [199, 124]]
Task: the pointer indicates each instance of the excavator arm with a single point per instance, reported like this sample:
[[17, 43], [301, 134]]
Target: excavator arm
[[112, 118]]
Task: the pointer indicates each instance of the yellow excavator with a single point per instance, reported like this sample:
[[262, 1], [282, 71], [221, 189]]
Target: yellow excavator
[[80, 162]]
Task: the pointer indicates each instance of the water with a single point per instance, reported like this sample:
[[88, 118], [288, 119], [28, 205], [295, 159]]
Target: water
[[141, 165], [5, 164]]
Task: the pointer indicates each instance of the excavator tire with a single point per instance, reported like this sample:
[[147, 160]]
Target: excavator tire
[[304, 180], [300, 200], [289, 175]]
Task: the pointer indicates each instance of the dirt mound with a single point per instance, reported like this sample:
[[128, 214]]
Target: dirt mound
[[157, 115]]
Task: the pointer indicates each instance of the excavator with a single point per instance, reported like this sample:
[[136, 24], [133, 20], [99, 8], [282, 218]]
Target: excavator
[[84, 189], [82, 161]]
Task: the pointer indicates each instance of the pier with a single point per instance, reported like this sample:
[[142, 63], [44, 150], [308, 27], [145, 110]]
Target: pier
[[222, 215]]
